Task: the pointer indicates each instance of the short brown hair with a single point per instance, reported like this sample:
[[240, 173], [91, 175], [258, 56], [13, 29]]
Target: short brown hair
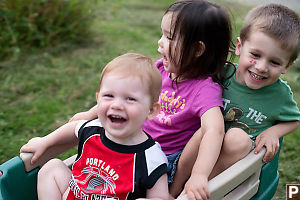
[[277, 21], [133, 64]]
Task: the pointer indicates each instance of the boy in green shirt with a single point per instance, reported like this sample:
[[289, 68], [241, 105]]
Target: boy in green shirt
[[258, 106]]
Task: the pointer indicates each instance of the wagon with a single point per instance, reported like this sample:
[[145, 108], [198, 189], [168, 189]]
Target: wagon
[[247, 179]]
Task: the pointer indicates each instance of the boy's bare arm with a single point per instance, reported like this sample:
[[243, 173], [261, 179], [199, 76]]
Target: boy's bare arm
[[160, 190], [270, 138], [65, 135]]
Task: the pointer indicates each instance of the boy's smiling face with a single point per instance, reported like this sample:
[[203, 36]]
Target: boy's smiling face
[[123, 105], [262, 60]]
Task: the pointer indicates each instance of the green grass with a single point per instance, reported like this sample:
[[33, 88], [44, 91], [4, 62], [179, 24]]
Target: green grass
[[42, 90]]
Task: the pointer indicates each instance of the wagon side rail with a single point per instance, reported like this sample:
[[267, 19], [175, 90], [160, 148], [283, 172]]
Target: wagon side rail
[[240, 181]]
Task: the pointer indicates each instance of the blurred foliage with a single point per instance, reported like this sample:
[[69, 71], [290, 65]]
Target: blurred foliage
[[32, 24]]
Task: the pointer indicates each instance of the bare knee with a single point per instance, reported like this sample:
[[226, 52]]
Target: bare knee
[[48, 167], [53, 179], [236, 141], [236, 145]]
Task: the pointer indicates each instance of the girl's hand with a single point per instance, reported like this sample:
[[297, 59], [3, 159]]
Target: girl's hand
[[87, 115], [36, 146], [81, 116], [196, 187], [270, 141]]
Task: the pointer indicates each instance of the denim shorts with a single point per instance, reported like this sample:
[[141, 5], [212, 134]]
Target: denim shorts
[[172, 165]]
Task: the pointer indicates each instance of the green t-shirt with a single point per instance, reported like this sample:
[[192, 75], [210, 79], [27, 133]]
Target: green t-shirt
[[256, 110]]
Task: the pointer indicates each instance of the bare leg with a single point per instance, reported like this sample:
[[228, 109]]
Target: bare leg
[[236, 145], [53, 179], [186, 163]]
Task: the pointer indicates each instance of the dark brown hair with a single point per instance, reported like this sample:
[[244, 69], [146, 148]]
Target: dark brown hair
[[195, 21]]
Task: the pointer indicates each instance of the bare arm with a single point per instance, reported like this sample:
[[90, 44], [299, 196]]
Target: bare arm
[[86, 115], [212, 125], [65, 135], [160, 189], [270, 138]]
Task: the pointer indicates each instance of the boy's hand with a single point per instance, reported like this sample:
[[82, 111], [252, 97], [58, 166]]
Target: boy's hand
[[36, 146], [271, 142], [196, 187]]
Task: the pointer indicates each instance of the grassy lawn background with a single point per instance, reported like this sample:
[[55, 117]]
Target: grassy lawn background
[[41, 91]]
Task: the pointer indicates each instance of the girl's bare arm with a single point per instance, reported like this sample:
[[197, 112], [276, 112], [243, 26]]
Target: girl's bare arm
[[86, 115], [212, 127]]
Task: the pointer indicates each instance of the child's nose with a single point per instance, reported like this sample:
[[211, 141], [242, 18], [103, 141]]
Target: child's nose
[[117, 104], [261, 66]]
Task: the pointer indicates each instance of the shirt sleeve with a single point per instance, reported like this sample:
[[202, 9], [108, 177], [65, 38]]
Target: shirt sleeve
[[289, 111], [208, 97], [156, 164]]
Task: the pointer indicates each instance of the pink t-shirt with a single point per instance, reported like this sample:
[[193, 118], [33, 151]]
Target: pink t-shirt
[[181, 110]]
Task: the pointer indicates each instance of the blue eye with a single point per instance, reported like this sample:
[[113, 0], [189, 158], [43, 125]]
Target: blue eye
[[131, 99]]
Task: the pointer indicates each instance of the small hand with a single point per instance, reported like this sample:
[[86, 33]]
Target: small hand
[[36, 146], [271, 142], [196, 188]]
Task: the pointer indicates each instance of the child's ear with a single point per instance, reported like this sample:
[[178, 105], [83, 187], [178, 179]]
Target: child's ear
[[287, 67], [201, 49], [154, 110], [238, 46]]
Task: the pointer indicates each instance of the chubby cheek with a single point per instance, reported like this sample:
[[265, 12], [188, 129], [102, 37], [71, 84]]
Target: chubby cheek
[[101, 111]]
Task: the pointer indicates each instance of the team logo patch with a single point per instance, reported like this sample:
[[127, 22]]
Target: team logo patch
[[93, 180]]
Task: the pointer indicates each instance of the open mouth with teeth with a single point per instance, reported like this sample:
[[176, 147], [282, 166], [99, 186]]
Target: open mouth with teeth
[[117, 119], [256, 77]]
